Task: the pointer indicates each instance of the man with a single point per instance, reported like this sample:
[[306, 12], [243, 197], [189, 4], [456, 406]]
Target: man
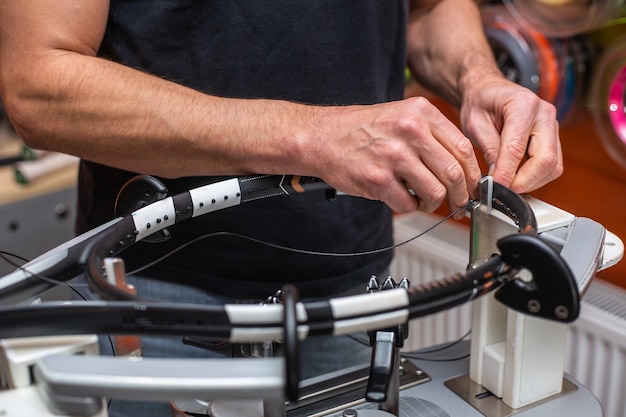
[[188, 89]]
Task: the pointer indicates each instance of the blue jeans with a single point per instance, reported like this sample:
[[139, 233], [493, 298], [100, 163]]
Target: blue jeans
[[319, 355]]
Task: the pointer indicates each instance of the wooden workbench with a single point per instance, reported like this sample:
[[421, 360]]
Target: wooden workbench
[[11, 191]]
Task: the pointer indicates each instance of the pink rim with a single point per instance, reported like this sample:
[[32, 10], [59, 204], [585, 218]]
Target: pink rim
[[615, 104]]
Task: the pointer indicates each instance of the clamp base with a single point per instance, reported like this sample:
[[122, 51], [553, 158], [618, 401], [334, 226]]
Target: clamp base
[[490, 405]]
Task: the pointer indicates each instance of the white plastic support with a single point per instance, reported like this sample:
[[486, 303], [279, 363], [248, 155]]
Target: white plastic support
[[26, 401], [517, 357], [18, 356]]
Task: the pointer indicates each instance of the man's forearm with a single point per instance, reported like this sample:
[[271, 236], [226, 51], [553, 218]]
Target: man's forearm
[[146, 124], [447, 48]]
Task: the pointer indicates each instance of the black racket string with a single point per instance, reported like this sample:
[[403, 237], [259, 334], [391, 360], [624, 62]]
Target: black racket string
[[419, 354], [297, 250], [4, 255]]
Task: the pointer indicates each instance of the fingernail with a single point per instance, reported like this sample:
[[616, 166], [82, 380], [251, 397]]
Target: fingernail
[[492, 168]]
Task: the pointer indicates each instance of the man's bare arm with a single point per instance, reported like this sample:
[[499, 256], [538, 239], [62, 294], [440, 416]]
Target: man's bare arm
[[61, 96], [516, 131]]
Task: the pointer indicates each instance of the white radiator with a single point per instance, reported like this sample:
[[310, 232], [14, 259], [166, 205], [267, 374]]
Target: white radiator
[[596, 346], [440, 252]]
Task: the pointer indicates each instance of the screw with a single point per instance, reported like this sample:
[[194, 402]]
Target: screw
[[534, 306], [561, 312]]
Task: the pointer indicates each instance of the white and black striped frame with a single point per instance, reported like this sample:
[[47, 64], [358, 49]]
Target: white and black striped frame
[[246, 323]]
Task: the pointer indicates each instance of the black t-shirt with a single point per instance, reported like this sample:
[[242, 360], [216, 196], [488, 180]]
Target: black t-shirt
[[317, 52]]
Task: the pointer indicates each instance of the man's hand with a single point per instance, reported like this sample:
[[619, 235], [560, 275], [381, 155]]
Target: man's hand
[[517, 132], [405, 153]]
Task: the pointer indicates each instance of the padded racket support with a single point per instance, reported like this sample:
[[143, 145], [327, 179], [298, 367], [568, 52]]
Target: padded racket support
[[552, 293], [291, 344]]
